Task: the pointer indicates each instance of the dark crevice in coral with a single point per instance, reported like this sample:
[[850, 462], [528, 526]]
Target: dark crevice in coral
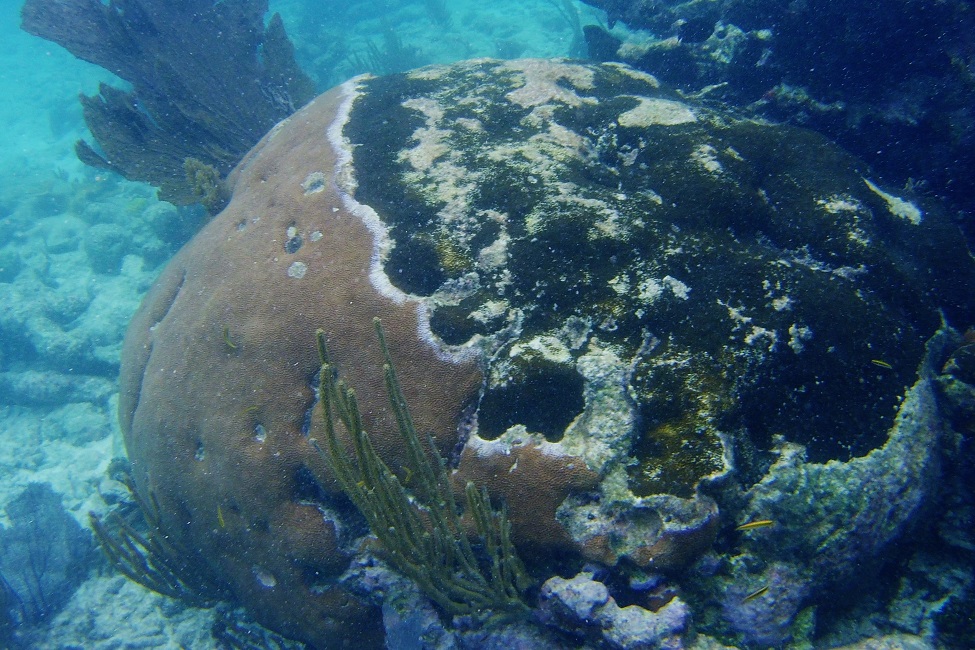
[[545, 400], [307, 487]]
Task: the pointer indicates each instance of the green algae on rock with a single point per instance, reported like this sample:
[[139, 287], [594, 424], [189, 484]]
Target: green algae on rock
[[747, 273]]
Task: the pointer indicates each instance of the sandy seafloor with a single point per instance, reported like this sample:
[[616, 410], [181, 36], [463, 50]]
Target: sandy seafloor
[[64, 310]]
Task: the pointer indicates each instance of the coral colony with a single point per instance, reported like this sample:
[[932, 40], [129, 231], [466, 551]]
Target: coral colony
[[615, 311], [653, 370]]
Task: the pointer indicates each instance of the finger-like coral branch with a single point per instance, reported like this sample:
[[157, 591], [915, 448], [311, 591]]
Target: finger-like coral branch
[[421, 530], [150, 559]]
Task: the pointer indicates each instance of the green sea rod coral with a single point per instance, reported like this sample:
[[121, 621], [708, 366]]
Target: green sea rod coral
[[145, 554], [423, 536]]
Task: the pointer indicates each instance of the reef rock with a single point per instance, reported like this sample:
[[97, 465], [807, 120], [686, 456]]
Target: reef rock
[[605, 300], [584, 607]]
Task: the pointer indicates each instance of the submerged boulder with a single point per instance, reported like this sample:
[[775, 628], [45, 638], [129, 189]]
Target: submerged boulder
[[607, 302]]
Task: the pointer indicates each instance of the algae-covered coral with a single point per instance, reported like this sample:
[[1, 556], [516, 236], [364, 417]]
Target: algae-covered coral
[[872, 77], [705, 249], [637, 320]]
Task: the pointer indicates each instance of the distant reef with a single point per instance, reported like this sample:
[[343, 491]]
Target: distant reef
[[894, 83]]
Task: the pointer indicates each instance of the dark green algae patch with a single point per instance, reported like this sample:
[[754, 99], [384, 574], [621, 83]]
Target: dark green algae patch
[[753, 277]]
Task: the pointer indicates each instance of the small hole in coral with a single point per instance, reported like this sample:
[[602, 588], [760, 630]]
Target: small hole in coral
[[294, 241], [307, 488], [264, 577]]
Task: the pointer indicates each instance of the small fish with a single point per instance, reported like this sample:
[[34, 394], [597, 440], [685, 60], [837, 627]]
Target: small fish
[[751, 525], [881, 364], [223, 524], [251, 409], [226, 338], [755, 594]]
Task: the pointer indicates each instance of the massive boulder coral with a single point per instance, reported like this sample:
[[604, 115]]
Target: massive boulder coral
[[609, 304]]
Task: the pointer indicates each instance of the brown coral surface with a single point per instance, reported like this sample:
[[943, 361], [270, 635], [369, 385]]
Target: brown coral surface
[[217, 384]]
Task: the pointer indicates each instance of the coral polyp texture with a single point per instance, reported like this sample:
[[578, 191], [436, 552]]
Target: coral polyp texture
[[636, 320]]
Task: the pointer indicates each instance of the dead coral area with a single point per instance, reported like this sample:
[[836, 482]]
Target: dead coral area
[[208, 79]]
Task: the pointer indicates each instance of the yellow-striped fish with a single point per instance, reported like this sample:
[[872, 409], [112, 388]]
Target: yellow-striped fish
[[751, 525], [880, 363], [226, 338], [755, 594], [223, 524]]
